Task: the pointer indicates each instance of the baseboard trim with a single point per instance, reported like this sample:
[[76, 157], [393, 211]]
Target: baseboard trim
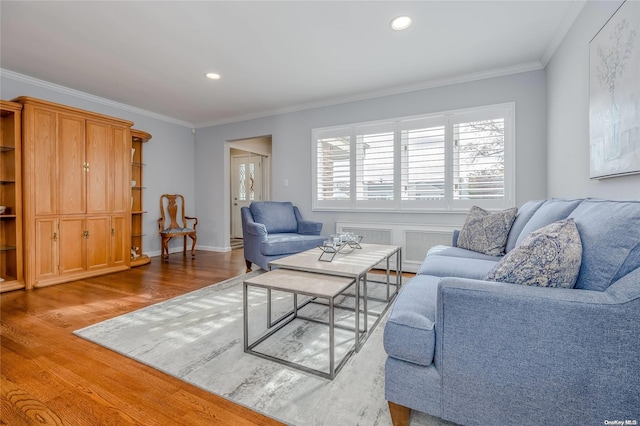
[[157, 253]]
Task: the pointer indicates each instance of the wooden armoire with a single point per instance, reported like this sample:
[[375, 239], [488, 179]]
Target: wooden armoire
[[76, 193]]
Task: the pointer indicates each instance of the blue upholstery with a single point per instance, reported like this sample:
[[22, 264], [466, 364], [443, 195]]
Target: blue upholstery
[[412, 319], [177, 230], [512, 354], [276, 216], [610, 234], [456, 266], [460, 252], [550, 211], [280, 231], [524, 215]]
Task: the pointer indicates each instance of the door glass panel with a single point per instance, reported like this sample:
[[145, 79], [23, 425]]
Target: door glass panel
[[242, 193]]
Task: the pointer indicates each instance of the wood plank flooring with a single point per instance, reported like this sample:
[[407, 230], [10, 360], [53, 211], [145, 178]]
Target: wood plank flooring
[[51, 377]]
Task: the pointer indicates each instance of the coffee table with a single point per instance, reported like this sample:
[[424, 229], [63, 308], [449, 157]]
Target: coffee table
[[299, 283], [355, 264]]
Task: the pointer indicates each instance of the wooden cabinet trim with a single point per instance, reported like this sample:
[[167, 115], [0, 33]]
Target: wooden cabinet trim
[[27, 100]]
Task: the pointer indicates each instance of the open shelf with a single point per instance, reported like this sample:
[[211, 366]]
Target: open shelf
[[138, 139], [11, 268]]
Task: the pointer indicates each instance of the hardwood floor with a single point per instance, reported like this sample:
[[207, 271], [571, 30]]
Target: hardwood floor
[[51, 377]]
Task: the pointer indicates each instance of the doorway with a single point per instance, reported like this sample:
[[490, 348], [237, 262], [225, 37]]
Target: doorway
[[250, 165]]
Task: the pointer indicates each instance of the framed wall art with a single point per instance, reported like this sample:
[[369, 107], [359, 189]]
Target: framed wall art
[[614, 95]]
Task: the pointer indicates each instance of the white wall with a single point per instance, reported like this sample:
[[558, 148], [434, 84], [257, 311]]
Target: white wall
[[568, 115], [291, 149], [169, 155], [201, 172]]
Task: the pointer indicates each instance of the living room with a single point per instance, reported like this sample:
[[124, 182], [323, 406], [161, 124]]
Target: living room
[[192, 157]]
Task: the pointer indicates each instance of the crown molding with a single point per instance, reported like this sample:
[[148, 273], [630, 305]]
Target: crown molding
[[465, 78], [561, 32], [482, 75], [86, 96]]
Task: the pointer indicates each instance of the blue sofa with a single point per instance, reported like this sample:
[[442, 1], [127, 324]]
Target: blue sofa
[[273, 229], [473, 351]]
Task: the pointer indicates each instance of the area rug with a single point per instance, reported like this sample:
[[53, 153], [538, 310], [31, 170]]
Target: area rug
[[198, 338]]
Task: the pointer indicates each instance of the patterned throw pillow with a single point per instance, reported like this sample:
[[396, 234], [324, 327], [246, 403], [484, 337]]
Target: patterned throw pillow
[[486, 232], [548, 257]]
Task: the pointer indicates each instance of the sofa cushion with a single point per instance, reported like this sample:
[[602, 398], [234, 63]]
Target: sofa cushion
[[307, 227], [458, 252], [548, 257], [409, 333], [278, 244], [461, 267], [525, 213], [486, 232], [610, 233], [550, 211], [276, 216]]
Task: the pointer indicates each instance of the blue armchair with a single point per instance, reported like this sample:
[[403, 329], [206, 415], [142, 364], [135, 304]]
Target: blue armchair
[[272, 230]]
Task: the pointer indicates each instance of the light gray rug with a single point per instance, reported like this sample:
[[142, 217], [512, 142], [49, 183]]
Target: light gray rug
[[198, 338]]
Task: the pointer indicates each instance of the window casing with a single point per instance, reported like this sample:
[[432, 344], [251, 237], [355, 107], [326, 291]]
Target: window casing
[[436, 162]]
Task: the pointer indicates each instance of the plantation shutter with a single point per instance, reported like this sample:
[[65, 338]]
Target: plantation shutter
[[423, 161], [478, 154], [375, 163], [333, 167], [445, 161]]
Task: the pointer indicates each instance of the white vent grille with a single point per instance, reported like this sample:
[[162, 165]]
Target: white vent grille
[[417, 243], [415, 240], [372, 236]]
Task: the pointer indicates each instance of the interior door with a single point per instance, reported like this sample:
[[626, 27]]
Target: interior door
[[246, 186]]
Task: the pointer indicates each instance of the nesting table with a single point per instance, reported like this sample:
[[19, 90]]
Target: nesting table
[[304, 274]]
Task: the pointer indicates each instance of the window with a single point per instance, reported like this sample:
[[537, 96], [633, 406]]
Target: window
[[333, 165], [374, 164], [444, 161], [478, 155]]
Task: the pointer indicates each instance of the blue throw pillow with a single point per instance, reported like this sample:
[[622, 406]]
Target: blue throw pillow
[[548, 257], [486, 232]]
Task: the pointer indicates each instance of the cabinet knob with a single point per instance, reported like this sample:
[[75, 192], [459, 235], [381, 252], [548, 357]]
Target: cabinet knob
[[85, 234], [55, 236]]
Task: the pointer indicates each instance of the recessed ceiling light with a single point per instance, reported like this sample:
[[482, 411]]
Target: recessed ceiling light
[[401, 23], [213, 76]]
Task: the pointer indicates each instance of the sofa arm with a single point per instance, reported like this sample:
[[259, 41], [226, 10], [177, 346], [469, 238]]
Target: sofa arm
[[255, 228], [501, 344], [307, 227]]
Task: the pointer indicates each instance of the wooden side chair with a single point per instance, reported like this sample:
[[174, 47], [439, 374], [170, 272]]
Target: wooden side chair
[[169, 206]]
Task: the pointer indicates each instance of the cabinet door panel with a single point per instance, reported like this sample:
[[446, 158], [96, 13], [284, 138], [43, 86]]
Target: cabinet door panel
[[119, 241], [98, 242], [98, 158], [121, 164], [72, 245], [46, 254], [42, 157], [71, 159]]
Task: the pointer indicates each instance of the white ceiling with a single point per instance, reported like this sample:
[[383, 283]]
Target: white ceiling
[[272, 56]]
